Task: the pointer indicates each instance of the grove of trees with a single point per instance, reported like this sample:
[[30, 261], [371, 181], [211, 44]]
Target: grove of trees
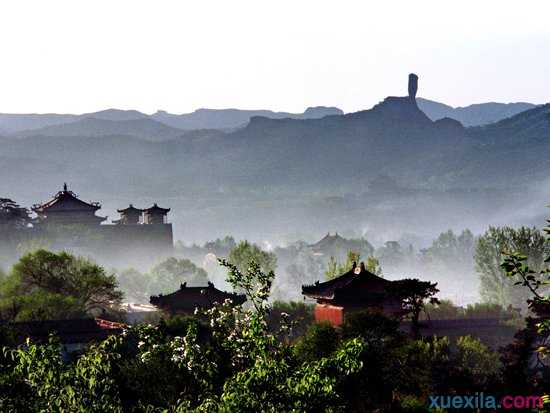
[[46, 285], [235, 363], [235, 359], [492, 248]]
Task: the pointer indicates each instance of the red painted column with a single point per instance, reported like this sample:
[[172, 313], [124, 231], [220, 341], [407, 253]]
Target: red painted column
[[331, 313]]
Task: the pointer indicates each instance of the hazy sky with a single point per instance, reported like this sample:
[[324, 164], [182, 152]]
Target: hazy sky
[[79, 56]]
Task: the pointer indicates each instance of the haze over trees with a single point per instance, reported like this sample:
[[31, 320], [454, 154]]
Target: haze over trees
[[319, 171], [163, 278], [245, 253], [448, 260], [491, 249], [234, 362]]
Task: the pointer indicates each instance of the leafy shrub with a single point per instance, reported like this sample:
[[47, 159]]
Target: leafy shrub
[[236, 364], [320, 340]]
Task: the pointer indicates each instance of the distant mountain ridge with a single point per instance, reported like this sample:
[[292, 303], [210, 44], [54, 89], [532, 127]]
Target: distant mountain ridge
[[143, 128], [18, 122], [200, 119], [527, 127], [276, 173], [394, 138], [234, 118], [320, 148], [473, 115], [230, 119]]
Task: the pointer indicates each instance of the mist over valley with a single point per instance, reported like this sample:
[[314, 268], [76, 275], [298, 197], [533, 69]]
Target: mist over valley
[[401, 171]]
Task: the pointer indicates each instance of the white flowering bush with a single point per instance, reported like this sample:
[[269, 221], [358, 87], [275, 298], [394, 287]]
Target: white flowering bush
[[226, 360]]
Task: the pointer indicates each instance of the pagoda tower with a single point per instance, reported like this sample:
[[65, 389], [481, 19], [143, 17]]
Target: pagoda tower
[[129, 216], [155, 215], [66, 209]]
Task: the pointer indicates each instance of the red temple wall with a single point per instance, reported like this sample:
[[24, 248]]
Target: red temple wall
[[331, 313]]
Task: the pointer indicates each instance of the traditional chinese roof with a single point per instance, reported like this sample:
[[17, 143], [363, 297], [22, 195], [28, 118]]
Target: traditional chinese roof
[[358, 279], [338, 247], [186, 299], [328, 241], [156, 209], [65, 200], [130, 209]]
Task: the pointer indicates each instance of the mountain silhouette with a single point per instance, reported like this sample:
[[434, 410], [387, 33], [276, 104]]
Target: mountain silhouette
[[234, 118], [143, 128], [473, 115]]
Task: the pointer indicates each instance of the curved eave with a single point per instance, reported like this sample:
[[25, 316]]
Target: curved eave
[[45, 207], [63, 196], [318, 296]]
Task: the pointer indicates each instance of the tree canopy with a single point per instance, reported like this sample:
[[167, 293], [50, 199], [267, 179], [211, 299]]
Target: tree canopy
[[334, 269], [245, 253], [167, 276], [13, 215], [414, 294], [492, 248], [48, 285]]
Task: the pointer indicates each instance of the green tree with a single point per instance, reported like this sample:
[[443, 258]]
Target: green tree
[[320, 340], [491, 250], [245, 253], [298, 313], [332, 269], [393, 254], [221, 246], [39, 380], [444, 310], [167, 276], [44, 284], [135, 285], [448, 248], [307, 386], [373, 265], [371, 326], [12, 215], [41, 305], [476, 361], [304, 268], [414, 294], [373, 388], [535, 280], [335, 270]]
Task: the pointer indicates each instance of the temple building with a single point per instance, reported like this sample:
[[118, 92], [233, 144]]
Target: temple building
[[328, 243], [155, 215], [66, 209], [336, 246], [130, 216], [187, 299], [356, 290], [139, 236]]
